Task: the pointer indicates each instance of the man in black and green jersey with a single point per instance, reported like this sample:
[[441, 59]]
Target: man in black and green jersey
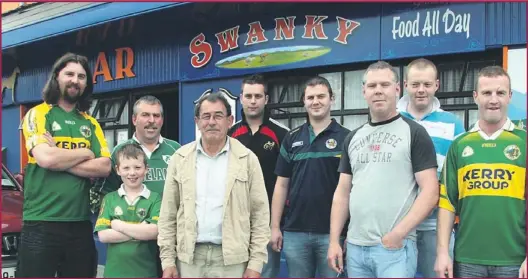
[[128, 219], [148, 120], [306, 181], [66, 147], [484, 182]]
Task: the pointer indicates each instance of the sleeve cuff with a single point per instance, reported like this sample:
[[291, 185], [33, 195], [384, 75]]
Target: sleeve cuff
[[255, 265], [168, 263]]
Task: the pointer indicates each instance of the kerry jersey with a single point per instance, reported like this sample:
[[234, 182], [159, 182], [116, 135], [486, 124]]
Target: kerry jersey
[[133, 258], [484, 182], [59, 195]]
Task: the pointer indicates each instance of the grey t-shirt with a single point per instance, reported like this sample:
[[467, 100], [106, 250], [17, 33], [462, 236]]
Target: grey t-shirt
[[382, 159]]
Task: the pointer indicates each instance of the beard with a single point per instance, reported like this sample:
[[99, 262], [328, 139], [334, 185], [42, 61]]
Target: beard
[[72, 99]]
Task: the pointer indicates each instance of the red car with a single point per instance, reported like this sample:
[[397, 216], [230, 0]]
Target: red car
[[12, 201]]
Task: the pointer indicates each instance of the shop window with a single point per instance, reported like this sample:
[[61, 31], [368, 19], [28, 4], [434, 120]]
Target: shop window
[[352, 122], [336, 82], [457, 81], [113, 116]]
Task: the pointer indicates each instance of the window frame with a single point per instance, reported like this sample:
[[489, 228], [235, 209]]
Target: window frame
[[489, 57]]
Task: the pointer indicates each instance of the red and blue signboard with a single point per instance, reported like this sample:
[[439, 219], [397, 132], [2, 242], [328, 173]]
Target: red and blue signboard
[[327, 36]]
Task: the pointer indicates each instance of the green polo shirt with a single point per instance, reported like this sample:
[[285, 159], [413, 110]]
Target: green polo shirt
[[157, 162], [133, 258]]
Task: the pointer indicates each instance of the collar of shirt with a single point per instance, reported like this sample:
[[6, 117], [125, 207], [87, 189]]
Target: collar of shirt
[[265, 118], [199, 149], [148, 152], [144, 193], [333, 126], [403, 104], [508, 126]]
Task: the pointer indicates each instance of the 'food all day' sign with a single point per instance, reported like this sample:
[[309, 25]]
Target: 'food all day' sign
[[428, 29]]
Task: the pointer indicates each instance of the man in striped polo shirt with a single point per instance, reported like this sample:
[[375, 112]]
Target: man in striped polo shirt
[[421, 105]]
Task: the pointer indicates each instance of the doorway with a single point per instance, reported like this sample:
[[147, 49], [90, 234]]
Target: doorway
[[169, 100]]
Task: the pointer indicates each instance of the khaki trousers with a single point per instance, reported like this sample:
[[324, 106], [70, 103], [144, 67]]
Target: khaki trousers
[[209, 263]]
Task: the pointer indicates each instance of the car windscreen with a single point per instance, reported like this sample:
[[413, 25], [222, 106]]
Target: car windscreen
[[7, 182]]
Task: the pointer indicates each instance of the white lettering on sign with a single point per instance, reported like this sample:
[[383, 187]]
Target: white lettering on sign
[[452, 22]]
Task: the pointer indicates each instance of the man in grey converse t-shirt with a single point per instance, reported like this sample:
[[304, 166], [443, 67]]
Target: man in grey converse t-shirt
[[383, 165]]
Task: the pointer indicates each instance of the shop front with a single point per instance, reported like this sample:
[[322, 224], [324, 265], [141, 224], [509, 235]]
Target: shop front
[[180, 53]]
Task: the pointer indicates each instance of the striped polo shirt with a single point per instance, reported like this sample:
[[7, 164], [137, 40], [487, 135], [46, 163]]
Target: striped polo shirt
[[443, 127]]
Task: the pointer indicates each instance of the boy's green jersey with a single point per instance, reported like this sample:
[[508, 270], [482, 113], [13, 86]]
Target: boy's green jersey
[[133, 258], [157, 166], [59, 195], [484, 182]]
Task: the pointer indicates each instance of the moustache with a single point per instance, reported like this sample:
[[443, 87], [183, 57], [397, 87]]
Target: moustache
[[72, 85], [151, 127]]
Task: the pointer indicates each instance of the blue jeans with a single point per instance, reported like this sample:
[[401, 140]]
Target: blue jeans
[[464, 270], [426, 242], [272, 268], [307, 253], [381, 262]]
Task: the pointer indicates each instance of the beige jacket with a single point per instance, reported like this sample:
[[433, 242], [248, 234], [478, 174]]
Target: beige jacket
[[245, 227]]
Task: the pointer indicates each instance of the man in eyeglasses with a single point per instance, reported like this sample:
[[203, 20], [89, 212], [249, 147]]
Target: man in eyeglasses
[[214, 219]]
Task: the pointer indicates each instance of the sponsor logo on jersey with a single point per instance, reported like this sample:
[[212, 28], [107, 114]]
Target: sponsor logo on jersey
[[488, 178], [512, 152], [70, 122], [468, 151], [489, 145], [269, 145], [85, 131], [297, 143], [71, 144], [331, 143]]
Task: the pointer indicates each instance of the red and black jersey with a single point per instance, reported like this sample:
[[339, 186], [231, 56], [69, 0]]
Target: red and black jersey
[[265, 143]]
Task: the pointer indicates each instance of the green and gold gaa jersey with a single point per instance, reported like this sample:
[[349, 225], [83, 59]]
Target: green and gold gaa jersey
[[59, 195], [484, 182], [133, 258]]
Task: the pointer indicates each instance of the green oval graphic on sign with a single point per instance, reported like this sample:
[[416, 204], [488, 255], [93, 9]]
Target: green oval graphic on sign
[[272, 57]]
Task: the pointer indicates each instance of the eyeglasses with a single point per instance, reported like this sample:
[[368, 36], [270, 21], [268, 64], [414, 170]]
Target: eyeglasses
[[217, 117]]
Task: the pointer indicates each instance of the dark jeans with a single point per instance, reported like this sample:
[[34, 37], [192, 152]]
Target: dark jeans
[[464, 270], [62, 249]]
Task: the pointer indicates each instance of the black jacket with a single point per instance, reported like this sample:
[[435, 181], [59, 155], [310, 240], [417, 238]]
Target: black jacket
[[265, 143]]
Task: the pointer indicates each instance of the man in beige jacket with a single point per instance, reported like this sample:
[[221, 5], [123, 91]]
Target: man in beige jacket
[[214, 219]]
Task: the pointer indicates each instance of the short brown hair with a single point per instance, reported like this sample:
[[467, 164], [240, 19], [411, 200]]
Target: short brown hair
[[130, 150], [256, 79], [493, 71], [382, 65], [421, 64]]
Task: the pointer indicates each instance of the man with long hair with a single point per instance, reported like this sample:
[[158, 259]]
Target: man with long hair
[[66, 147]]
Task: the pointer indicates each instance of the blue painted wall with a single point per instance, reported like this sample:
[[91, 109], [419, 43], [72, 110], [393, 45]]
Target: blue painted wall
[[10, 137], [166, 58]]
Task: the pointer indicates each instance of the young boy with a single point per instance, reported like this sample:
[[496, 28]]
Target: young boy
[[128, 219]]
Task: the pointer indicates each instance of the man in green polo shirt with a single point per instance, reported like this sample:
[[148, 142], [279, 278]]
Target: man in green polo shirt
[[128, 219], [148, 120]]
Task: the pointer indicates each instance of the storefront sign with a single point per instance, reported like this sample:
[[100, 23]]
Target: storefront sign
[[123, 63], [422, 29], [284, 42]]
